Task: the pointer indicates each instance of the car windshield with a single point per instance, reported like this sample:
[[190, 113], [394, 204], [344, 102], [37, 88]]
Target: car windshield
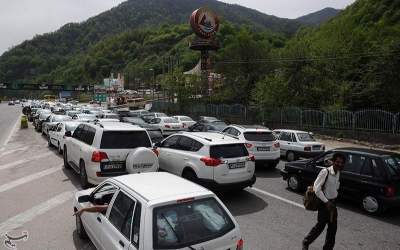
[[305, 137], [186, 119], [124, 139], [184, 224], [259, 136], [228, 151], [171, 120], [393, 164]]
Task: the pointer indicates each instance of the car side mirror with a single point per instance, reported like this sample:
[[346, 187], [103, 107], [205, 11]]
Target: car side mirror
[[84, 198], [68, 134]]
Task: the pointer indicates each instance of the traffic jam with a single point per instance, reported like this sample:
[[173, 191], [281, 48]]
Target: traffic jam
[[150, 180]]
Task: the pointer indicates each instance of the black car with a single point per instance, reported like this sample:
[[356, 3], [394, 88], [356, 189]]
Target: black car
[[370, 176], [209, 126]]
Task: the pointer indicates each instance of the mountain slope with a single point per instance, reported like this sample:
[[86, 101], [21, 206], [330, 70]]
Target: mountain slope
[[32, 60], [351, 61], [319, 17]]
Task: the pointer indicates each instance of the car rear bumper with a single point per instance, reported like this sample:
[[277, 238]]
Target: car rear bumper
[[215, 186], [391, 202]]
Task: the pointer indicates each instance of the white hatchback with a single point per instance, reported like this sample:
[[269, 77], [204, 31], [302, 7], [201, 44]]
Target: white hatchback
[[167, 125], [155, 211]]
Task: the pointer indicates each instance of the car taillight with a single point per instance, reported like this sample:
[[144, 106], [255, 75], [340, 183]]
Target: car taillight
[[240, 244], [248, 145], [211, 162], [155, 150], [184, 125], [167, 126], [277, 145], [307, 148], [251, 158], [98, 156], [390, 191]]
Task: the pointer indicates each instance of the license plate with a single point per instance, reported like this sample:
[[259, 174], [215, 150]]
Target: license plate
[[316, 147], [263, 149], [236, 165], [176, 127], [113, 166]]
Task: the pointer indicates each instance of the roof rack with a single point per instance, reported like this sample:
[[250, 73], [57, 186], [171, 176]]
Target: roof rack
[[204, 138], [225, 134]]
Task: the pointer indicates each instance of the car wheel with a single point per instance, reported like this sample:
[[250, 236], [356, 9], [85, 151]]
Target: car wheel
[[290, 156], [49, 142], [59, 148], [189, 175], [294, 183], [83, 175], [80, 230], [66, 164], [371, 204]]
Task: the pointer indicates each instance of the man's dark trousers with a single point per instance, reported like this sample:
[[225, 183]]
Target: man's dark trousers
[[324, 217]]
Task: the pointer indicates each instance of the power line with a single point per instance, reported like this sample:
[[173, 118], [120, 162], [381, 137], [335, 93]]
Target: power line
[[306, 59]]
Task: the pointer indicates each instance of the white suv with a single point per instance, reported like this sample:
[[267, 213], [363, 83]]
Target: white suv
[[260, 142], [214, 160], [295, 144], [98, 151], [155, 211]]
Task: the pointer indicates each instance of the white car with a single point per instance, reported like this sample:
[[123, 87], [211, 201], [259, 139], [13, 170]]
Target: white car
[[52, 121], [100, 150], [167, 125], [259, 141], [214, 160], [85, 117], [57, 134], [185, 120], [295, 144], [155, 211]]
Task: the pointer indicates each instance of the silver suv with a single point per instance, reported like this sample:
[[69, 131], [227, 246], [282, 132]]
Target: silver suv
[[259, 141]]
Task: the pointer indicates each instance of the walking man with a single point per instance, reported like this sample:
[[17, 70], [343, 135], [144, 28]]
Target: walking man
[[326, 189]]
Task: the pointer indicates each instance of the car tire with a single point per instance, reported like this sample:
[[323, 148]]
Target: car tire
[[59, 149], [49, 142], [83, 175], [371, 204], [291, 156], [294, 183], [66, 164], [80, 230], [189, 175]]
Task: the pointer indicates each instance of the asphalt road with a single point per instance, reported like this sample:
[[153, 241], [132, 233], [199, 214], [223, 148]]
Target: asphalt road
[[8, 117], [35, 196]]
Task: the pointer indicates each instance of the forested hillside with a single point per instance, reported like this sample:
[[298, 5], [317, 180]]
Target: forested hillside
[[350, 62], [35, 60]]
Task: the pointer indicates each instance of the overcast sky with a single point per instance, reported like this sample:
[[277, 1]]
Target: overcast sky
[[22, 19]]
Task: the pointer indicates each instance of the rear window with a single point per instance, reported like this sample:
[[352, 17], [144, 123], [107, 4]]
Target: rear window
[[259, 136], [305, 137], [186, 119], [185, 224], [124, 139], [228, 151], [393, 165], [171, 120]]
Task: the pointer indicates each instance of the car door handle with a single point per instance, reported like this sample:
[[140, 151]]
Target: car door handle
[[122, 243], [98, 219]]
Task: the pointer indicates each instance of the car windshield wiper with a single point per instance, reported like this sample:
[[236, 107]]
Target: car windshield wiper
[[173, 230]]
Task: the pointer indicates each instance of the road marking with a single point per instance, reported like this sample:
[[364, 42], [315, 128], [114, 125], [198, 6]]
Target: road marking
[[30, 214], [12, 131], [278, 197], [14, 150], [29, 178], [19, 162]]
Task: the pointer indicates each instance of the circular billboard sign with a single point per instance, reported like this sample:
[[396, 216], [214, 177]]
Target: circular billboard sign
[[204, 22]]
